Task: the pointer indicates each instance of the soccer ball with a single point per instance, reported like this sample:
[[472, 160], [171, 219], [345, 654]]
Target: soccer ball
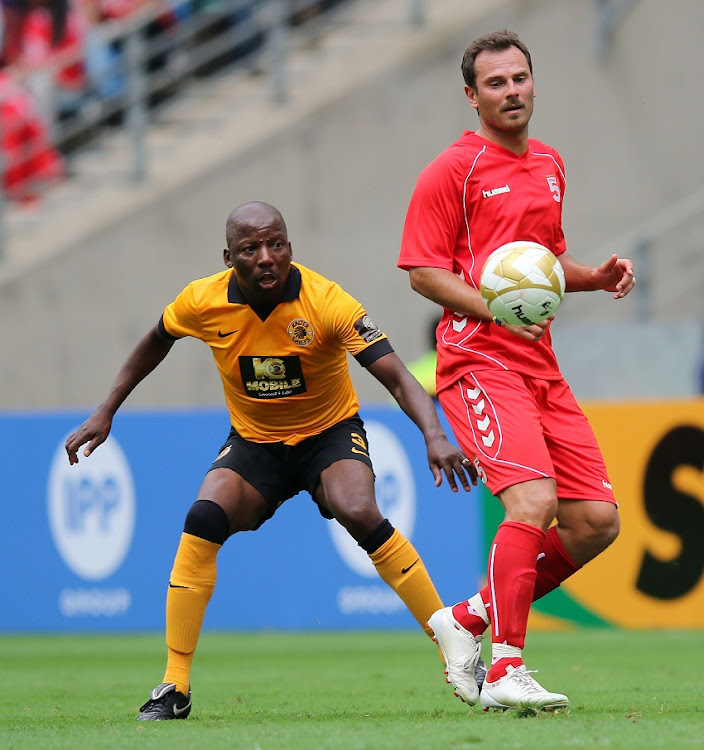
[[522, 283]]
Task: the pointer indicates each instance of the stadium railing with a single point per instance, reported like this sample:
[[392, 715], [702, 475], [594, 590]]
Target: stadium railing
[[135, 64]]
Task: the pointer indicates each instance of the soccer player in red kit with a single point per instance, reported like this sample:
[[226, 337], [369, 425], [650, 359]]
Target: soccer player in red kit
[[500, 385]]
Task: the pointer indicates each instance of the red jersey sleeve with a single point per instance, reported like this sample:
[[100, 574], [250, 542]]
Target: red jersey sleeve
[[435, 215]]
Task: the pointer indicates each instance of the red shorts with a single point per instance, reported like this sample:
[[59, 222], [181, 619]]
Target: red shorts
[[521, 428]]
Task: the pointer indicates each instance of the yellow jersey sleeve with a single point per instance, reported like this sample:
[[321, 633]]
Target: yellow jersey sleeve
[[354, 328], [181, 317]]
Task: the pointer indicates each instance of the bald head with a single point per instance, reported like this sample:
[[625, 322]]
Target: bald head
[[259, 251], [250, 216]]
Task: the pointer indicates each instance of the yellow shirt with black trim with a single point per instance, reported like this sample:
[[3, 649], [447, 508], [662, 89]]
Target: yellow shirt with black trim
[[284, 368]]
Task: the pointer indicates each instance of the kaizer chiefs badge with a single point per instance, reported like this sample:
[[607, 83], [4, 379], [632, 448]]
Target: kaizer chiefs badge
[[300, 331]]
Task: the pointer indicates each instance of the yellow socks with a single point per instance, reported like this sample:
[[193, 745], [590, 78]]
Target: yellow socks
[[399, 564], [190, 588]]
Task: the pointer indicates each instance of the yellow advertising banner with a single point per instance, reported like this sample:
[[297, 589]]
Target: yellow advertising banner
[[652, 576]]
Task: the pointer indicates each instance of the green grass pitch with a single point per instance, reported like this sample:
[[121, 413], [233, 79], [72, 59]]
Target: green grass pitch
[[357, 690]]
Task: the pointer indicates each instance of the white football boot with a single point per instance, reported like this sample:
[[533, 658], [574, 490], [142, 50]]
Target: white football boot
[[461, 651], [517, 689]]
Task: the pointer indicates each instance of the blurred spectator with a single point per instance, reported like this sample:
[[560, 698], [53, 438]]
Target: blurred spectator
[[217, 19], [45, 41], [107, 68], [301, 11], [13, 12], [28, 158]]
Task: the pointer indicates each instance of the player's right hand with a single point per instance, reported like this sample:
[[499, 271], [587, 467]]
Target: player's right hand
[[93, 431], [533, 332]]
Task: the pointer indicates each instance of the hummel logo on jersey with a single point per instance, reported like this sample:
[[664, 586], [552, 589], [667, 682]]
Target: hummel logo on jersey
[[229, 333], [496, 191]]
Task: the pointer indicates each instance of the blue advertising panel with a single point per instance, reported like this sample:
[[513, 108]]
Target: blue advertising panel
[[90, 547]]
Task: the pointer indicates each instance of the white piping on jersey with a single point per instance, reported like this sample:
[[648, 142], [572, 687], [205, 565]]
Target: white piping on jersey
[[494, 458], [554, 161], [464, 212], [461, 344]]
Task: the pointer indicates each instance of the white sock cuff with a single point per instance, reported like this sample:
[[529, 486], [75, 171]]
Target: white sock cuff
[[504, 651], [477, 605]]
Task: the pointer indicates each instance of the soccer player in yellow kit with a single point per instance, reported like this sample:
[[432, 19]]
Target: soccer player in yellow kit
[[279, 334]]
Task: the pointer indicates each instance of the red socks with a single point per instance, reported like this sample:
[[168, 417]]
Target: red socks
[[511, 575], [554, 566]]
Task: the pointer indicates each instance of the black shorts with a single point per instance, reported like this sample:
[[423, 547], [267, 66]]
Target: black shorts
[[279, 471]]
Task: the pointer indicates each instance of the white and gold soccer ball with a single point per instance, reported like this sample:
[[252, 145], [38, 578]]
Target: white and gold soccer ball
[[522, 283]]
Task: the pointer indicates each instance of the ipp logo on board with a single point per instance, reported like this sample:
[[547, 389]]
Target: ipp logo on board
[[91, 508]]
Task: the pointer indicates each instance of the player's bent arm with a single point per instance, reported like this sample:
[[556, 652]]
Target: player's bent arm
[[145, 357], [447, 289], [390, 371]]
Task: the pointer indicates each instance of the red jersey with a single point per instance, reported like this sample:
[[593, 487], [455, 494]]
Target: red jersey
[[473, 198]]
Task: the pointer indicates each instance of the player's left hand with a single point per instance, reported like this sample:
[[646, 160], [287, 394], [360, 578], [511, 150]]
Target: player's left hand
[[616, 275], [445, 457]]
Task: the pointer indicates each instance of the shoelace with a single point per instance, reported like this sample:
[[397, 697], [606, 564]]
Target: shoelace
[[528, 683], [472, 661]]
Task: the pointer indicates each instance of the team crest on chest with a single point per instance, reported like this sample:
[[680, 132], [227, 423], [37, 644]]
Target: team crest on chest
[[300, 331]]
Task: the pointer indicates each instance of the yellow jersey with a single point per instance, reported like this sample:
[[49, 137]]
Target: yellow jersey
[[284, 368]]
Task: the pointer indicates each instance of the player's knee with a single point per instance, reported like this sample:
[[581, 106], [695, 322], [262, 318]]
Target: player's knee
[[534, 503], [360, 515], [539, 511], [611, 529], [603, 525], [207, 520]]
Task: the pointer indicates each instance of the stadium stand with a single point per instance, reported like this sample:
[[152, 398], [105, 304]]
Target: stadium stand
[[338, 134]]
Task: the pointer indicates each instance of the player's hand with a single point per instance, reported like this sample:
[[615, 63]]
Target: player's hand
[[533, 332], [616, 275], [93, 431], [445, 457]]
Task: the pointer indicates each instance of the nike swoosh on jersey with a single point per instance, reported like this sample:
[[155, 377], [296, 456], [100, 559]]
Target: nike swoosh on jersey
[[229, 333], [405, 570], [176, 586]]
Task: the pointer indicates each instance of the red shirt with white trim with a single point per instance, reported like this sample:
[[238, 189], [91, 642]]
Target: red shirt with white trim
[[473, 198]]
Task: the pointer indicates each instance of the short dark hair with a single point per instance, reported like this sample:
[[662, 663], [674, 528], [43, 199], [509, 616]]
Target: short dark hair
[[497, 41]]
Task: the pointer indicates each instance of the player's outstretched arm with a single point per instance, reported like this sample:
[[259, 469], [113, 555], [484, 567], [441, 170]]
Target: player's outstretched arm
[[145, 357], [613, 275], [390, 371]]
